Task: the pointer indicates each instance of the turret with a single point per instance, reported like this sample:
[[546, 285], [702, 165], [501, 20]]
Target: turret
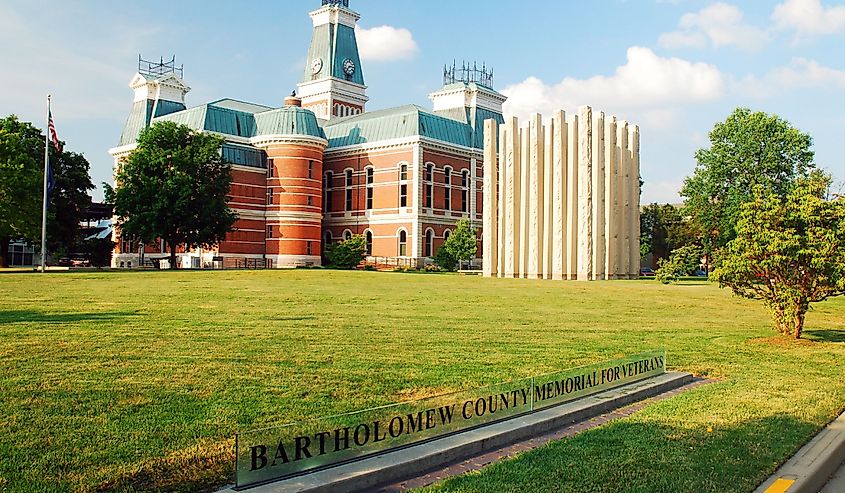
[[333, 82], [159, 90]]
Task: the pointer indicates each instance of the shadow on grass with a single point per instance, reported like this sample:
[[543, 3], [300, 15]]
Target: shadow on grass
[[633, 456], [826, 335], [32, 316]]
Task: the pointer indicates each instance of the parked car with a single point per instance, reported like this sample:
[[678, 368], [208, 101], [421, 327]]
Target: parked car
[[699, 273], [646, 271]]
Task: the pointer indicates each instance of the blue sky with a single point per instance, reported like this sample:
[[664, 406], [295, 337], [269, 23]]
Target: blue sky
[[675, 67]]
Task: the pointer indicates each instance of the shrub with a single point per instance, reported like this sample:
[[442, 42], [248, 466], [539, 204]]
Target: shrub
[[347, 254]]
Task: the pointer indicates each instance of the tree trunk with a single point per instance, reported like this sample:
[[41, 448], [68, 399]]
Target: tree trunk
[[4, 251], [172, 244]]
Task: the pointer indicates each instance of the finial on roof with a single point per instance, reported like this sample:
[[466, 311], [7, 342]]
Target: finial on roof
[[342, 3]]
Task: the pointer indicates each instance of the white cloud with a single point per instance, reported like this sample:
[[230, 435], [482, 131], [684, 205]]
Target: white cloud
[[646, 82], [717, 25], [386, 43], [809, 17], [800, 73]]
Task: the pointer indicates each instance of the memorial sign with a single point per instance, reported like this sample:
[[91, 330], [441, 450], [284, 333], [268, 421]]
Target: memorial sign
[[274, 453]]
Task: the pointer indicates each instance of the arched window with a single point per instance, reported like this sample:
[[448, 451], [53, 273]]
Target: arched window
[[347, 235], [429, 242], [448, 196], [465, 190], [403, 243], [327, 238], [429, 185], [369, 238], [403, 172], [370, 180], [446, 235]]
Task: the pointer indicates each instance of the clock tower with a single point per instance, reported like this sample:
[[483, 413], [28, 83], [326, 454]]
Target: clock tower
[[333, 84]]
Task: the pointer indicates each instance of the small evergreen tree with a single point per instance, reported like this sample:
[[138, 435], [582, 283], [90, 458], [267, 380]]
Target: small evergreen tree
[[789, 251], [347, 254], [462, 244], [444, 259]]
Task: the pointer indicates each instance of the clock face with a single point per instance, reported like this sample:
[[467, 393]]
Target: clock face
[[348, 67], [316, 65]]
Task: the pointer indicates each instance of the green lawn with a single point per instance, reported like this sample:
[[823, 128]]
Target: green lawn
[[138, 381]]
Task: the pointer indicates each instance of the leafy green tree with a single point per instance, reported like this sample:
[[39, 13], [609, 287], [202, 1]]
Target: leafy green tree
[[462, 244], [662, 229], [21, 182], [682, 262], [789, 251], [444, 259], [747, 150], [347, 254], [174, 186], [69, 200]]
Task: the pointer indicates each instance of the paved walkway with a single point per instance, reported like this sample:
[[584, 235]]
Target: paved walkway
[[837, 482]]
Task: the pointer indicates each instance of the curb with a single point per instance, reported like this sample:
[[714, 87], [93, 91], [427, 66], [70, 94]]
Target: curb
[[812, 466], [401, 464]]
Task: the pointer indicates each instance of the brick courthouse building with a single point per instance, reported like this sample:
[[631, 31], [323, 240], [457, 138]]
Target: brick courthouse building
[[322, 168]]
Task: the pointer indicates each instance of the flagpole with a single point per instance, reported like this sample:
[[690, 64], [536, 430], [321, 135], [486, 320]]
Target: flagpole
[[44, 197]]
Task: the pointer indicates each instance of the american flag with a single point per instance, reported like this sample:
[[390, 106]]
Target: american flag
[[51, 181], [53, 137]]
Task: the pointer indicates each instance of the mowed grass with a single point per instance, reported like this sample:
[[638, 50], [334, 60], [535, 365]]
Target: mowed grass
[[121, 381]]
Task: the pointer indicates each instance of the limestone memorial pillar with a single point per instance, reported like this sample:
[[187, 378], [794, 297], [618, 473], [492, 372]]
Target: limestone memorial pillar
[[611, 205], [501, 197], [571, 250], [535, 196], [634, 183], [598, 213], [558, 208], [585, 194], [490, 227]]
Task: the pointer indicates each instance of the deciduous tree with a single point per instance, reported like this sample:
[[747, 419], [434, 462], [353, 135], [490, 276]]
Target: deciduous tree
[[748, 150], [174, 186], [21, 178], [789, 251], [462, 244]]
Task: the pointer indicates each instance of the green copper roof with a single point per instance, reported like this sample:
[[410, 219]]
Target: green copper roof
[[212, 118], [396, 123], [243, 155], [290, 120], [142, 113]]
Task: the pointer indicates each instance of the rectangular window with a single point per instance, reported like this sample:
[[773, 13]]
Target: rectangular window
[[429, 192], [348, 199], [269, 231], [310, 200], [369, 198], [403, 195], [310, 169], [307, 248], [270, 169], [464, 196], [403, 172], [269, 197], [327, 203], [349, 178]]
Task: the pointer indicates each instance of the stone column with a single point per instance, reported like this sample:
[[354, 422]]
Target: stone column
[[512, 199], [611, 205], [548, 197], [557, 195], [634, 156], [501, 199], [524, 197], [585, 194], [599, 217], [624, 196], [572, 178], [535, 196], [490, 226]]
